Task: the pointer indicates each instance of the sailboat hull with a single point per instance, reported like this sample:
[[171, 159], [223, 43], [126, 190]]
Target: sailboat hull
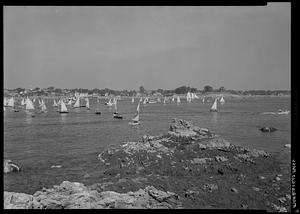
[[213, 110], [134, 123], [98, 112], [63, 112]]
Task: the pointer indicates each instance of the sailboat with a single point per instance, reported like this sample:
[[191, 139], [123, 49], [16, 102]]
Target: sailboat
[[77, 103], [214, 106], [132, 100], [116, 114], [136, 120], [145, 101], [109, 103], [29, 108], [63, 108], [158, 100], [222, 101], [54, 103], [43, 106], [70, 102], [173, 99], [141, 99], [97, 110], [22, 102], [203, 100], [87, 103], [178, 100], [165, 100]]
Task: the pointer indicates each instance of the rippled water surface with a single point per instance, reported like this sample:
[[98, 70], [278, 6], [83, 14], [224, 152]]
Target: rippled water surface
[[74, 140]]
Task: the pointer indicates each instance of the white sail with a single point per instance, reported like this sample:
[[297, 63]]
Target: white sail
[[70, 102], [5, 101], [59, 102], [116, 108], [222, 101], [29, 105], [178, 99], [141, 99], [214, 106], [44, 108], [33, 99], [54, 103], [132, 100], [203, 100], [173, 99], [137, 117], [165, 99], [40, 103], [87, 103], [22, 102], [145, 101], [11, 102], [63, 107], [77, 103]]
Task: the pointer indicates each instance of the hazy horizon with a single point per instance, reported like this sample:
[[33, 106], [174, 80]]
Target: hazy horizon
[[240, 47]]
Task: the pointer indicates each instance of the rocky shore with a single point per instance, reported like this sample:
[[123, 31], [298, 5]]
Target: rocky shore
[[188, 167]]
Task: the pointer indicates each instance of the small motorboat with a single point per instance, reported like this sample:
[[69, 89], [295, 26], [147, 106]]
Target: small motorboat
[[117, 115], [133, 123], [280, 111]]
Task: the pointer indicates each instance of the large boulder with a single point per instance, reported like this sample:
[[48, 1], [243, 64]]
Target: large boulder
[[10, 166], [183, 128]]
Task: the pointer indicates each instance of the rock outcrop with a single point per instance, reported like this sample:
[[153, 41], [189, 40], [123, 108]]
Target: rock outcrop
[[73, 195], [188, 167]]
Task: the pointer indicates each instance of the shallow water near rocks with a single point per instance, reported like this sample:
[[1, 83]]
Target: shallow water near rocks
[[74, 140]]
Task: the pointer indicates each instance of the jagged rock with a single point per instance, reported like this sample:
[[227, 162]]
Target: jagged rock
[[14, 200], [256, 189], [282, 199], [210, 187], [220, 159], [183, 128], [199, 160], [278, 208], [217, 143], [73, 195], [10, 166]]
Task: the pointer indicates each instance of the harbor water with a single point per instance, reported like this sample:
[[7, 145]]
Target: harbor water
[[71, 142]]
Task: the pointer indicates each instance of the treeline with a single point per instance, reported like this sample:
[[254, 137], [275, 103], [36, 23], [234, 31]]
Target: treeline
[[142, 91]]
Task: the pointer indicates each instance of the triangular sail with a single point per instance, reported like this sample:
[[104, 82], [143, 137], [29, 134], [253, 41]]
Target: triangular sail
[[137, 117], [132, 100], [222, 101], [29, 105], [77, 103], [11, 102], [214, 106], [63, 107], [178, 99], [87, 103], [54, 103]]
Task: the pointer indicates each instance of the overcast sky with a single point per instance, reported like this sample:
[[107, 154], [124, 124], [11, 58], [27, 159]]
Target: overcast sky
[[237, 47]]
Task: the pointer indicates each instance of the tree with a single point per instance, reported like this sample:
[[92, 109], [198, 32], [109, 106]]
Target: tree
[[208, 88], [142, 89], [222, 89]]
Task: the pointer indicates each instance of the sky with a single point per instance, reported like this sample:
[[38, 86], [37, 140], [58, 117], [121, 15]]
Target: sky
[[238, 47]]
